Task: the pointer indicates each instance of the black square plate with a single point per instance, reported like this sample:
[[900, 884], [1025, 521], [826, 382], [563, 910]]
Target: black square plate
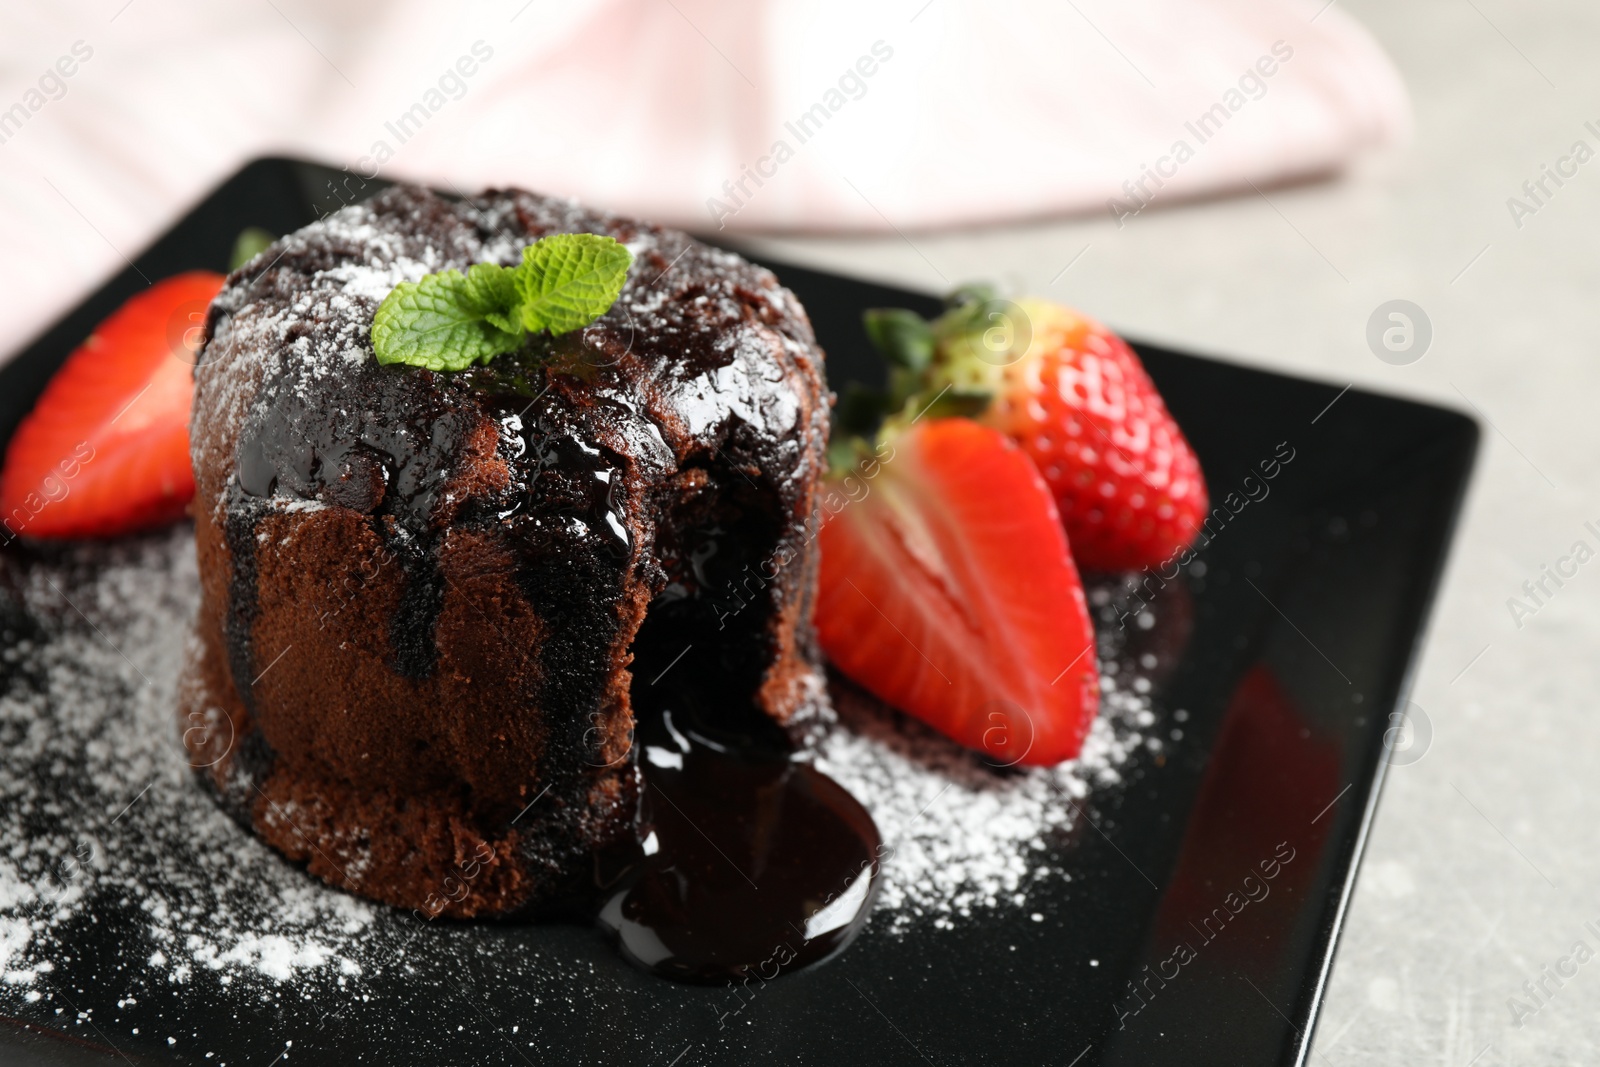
[[1306, 615]]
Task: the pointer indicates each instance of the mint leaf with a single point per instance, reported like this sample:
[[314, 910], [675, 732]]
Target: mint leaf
[[251, 242], [440, 323], [491, 291], [449, 321], [568, 280]]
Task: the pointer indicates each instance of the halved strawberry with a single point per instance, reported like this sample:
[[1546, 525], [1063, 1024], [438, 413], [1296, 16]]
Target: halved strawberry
[[948, 591], [106, 448], [1076, 398]]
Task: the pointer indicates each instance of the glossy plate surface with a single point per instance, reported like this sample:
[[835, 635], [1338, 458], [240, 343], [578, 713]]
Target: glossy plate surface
[[1305, 625]]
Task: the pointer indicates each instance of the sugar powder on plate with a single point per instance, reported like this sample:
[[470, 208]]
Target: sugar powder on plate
[[962, 835], [101, 815], [98, 805]]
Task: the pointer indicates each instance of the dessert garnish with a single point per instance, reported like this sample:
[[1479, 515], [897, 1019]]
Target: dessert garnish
[[1075, 398], [105, 450], [947, 588], [948, 591], [251, 242], [449, 320]]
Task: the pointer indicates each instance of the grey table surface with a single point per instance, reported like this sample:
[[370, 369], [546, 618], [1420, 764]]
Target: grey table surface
[[1480, 872]]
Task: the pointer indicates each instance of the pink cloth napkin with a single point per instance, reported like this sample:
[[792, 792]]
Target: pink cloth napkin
[[829, 115], [739, 115]]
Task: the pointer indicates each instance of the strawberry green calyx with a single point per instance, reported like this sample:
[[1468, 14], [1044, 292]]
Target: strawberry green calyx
[[905, 338], [951, 366], [978, 340], [847, 453]]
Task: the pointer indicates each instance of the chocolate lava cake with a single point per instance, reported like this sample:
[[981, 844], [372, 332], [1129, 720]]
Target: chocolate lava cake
[[431, 600]]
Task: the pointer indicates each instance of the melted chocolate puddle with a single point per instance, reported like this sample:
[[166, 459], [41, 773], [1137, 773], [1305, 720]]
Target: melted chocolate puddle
[[755, 863]]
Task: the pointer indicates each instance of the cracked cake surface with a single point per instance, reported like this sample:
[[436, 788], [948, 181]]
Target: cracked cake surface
[[427, 597]]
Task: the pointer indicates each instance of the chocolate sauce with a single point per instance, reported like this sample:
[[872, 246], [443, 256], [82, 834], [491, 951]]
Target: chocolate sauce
[[392, 453], [755, 863], [558, 472]]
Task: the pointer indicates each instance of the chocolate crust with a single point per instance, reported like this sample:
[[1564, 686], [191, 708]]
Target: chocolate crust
[[426, 597]]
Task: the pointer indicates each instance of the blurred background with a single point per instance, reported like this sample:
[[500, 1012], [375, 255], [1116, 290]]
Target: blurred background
[[1253, 179], [777, 116]]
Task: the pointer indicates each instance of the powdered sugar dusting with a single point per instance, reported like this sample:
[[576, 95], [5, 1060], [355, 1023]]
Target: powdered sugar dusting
[[101, 815], [99, 808], [962, 835]]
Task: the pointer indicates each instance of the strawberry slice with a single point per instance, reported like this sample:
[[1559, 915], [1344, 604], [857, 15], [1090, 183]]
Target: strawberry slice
[[106, 448], [948, 591]]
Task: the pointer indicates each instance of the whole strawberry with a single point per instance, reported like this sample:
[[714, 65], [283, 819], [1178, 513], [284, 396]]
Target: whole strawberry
[[1076, 399]]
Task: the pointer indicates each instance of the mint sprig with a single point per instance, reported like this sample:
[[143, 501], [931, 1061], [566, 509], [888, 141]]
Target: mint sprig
[[251, 242], [448, 321]]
